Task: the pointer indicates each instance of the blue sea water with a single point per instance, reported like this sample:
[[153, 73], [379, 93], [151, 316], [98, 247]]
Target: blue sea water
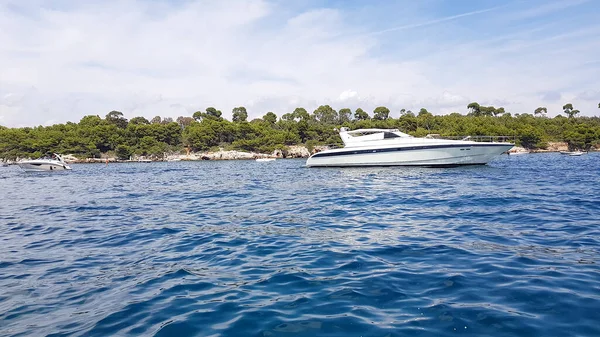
[[244, 248]]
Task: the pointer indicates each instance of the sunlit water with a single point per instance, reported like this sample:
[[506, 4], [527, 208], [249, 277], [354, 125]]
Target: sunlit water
[[244, 248]]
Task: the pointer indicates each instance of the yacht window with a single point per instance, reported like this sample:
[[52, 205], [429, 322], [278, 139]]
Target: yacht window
[[387, 135]]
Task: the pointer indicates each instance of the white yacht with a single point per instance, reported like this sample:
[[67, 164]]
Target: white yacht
[[390, 147], [48, 163]]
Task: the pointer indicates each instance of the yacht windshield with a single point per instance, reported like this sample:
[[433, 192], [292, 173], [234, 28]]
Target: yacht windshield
[[387, 135]]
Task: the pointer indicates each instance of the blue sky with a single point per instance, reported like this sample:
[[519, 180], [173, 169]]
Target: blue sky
[[62, 59]]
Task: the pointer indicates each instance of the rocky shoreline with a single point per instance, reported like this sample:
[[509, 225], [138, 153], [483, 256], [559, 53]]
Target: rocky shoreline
[[296, 151], [552, 147]]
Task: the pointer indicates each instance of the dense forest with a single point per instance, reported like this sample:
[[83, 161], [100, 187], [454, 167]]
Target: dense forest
[[208, 130]]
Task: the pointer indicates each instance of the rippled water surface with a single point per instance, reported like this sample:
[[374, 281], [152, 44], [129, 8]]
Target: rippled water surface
[[244, 248]]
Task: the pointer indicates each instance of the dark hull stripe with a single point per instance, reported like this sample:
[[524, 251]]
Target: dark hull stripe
[[406, 148], [413, 163], [400, 165]]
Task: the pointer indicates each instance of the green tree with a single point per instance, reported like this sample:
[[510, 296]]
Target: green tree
[[149, 146], [325, 114], [344, 115], [301, 114], [270, 117], [116, 118], [201, 136], [156, 120], [500, 111], [581, 137], [381, 113], [213, 113], [288, 117], [123, 152], [239, 114], [404, 112], [184, 121], [90, 121], [541, 111], [361, 115], [531, 138], [210, 113], [423, 112], [474, 109], [569, 110], [138, 121], [487, 110]]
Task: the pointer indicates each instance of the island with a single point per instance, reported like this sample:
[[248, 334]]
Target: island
[[206, 135]]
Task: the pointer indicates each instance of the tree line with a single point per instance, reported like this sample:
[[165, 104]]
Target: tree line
[[206, 130]]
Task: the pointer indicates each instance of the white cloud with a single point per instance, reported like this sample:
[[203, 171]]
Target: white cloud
[[448, 99], [590, 95], [11, 99], [348, 94], [156, 58]]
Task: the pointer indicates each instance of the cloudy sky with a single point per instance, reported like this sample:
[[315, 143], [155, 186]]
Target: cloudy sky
[[63, 59]]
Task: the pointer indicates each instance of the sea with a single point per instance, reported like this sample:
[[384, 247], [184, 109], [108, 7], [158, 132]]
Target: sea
[[246, 248]]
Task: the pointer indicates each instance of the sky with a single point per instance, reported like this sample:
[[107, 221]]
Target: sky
[[63, 59]]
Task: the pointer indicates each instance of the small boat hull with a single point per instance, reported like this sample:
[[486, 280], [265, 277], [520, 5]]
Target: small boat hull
[[265, 159], [40, 166], [572, 153]]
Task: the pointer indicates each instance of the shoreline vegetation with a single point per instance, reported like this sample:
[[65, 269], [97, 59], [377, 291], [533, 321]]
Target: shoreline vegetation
[[294, 152], [206, 135]]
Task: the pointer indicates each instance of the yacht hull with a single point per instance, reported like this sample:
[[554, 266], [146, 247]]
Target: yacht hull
[[424, 155], [39, 166]]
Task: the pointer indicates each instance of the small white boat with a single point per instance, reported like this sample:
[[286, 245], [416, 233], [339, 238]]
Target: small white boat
[[572, 153], [48, 163], [517, 153], [265, 159], [144, 161]]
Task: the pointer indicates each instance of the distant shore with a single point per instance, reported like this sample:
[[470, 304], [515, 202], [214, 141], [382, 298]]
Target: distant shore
[[295, 151], [552, 147]]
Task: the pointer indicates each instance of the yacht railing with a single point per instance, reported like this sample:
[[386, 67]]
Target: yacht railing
[[333, 146], [491, 139]]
